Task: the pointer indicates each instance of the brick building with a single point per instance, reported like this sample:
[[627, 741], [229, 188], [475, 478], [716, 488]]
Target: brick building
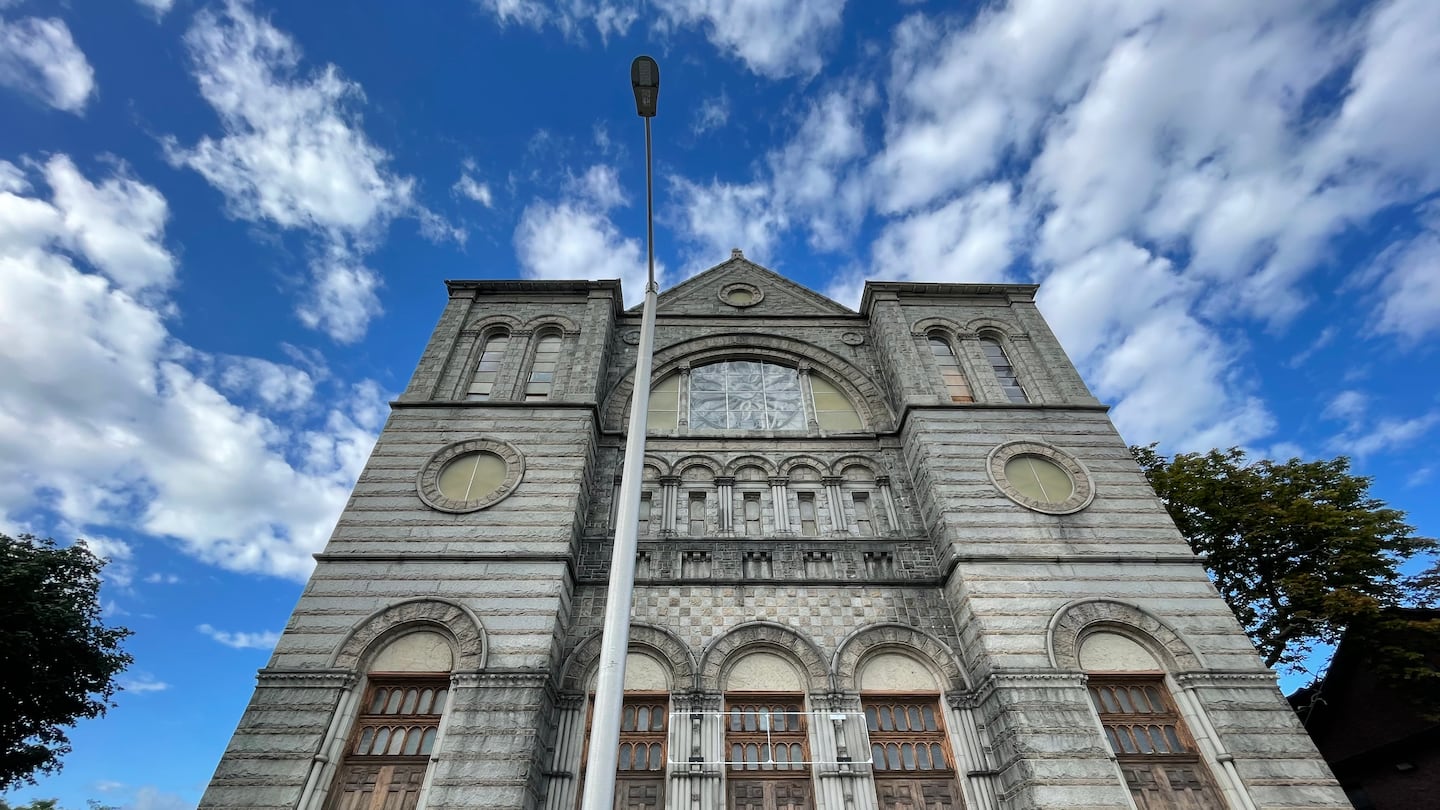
[[889, 559]]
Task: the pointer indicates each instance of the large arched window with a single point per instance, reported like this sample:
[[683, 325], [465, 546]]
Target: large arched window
[[641, 760], [749, 395], [767, 759], [905, 722], [482, 385]]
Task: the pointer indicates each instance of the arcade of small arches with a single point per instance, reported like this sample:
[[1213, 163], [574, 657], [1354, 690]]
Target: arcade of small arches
[[751, 496]]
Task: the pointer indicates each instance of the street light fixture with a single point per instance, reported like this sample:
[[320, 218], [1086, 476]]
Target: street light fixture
[[615, 638]]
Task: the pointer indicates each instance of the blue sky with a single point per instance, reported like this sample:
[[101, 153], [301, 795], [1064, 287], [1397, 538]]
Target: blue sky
[[224, 230]]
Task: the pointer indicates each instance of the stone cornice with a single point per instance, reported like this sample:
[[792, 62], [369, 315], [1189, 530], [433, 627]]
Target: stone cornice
[[282, 677], [1022, 292]]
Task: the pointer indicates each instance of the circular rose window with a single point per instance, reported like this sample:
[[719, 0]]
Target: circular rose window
[[470, 475], [1040, 477]]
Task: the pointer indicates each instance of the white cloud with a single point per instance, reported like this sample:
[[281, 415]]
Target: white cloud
[[713, 114], [159, 7], [107, 421], [294, 154], [162, 579], [1348, 405], [141, 683], [1385, 434], [40, 58], [772, 39], [572, 239], [718, 216], [1411, 288], [242, 641], [472, 189]]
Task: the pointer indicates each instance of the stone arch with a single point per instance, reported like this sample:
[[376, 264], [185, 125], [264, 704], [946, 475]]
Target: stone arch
[[763, 636], [840, 464], [484, 323], [662, 467], [809, 461], [855, 382], [950, 327], [982, 326], [452, 620], [1073, 622], [707, 462], [564, 324], [751, 461], [892, 637], [647, 638]]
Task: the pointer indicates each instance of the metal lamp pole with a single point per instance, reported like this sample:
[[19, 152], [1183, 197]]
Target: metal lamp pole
[[615, 641]]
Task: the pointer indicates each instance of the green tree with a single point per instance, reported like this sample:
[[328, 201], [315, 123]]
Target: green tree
[[58, 661], [1300, 549]]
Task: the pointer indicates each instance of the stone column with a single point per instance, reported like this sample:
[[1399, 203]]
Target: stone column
[[697, 740], [974, 757], [564, 772], [682, 401], [725, 492], [669, 503], [778, 494], [887, 500], [838, 524], [837, 739], [807, 399]]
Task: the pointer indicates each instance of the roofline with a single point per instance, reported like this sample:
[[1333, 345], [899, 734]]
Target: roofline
[[932, 289], [526, 285]]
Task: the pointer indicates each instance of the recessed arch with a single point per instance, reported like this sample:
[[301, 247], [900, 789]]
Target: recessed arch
[[552, 321], [765, 464], [707, 462], [656, 641], [949, 327], [803, 461], [853, 381], [891, 637], [1073, 622], [454, 621], [981, 326], [768, 637], [870, 465]]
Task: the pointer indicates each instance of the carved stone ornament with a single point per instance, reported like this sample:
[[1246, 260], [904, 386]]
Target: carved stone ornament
[[741, 295], [1080, 497], [852, 338], [632, 337], [427, 482]]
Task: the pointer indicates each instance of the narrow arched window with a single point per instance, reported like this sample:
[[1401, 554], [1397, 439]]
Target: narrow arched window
[[950, 372], [1004, 370], [482, 385], [542, 367]]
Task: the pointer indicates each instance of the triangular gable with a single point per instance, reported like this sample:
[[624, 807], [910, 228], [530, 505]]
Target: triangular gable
[[777, 295]]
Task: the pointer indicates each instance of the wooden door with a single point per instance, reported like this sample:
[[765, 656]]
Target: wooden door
[[780, 793]]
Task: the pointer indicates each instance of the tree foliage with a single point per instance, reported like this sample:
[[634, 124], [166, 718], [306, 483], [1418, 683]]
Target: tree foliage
[[58, 661], [1299, 549]]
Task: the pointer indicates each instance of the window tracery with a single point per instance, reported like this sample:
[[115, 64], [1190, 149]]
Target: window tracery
[[749, 395]]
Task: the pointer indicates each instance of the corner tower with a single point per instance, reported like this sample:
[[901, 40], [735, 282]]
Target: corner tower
[[894, 558]]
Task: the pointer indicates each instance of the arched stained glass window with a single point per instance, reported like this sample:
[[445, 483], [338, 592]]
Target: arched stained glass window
[[748, 395]]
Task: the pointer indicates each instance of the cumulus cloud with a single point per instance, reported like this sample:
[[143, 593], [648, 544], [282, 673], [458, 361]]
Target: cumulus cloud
[[294, 154], [109, 422], [39, 58], [141, 683], [573, 237], [772, 39], [242, 641]]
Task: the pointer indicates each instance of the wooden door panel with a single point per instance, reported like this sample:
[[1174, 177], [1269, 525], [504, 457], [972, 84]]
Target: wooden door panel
[[638, 794], [770, 794]]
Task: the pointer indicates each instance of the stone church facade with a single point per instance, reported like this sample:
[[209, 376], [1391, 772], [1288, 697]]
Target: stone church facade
[[891, 559]]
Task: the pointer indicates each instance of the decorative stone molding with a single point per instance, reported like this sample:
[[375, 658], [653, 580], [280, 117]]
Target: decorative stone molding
[[852, 338], [1266, 678], [877, 638], [1084, 486], [476, 680], [751, 461], [643, 638], [1073, 622], [322, 678], [809, 461], [855, 382], [923, 327], [427, 481], [455, 621], [997, 328], [766, 636], [564, 324], [707, 462]]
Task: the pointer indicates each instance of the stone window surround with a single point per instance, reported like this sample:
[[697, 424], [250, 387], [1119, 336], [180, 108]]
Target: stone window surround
[[427, 481], [1080, 498]]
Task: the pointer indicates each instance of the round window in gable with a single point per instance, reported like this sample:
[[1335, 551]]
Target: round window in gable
[[741, 295], [470, 475], [1040, 477]]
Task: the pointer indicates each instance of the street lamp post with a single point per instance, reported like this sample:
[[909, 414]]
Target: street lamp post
[[615, 639]]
